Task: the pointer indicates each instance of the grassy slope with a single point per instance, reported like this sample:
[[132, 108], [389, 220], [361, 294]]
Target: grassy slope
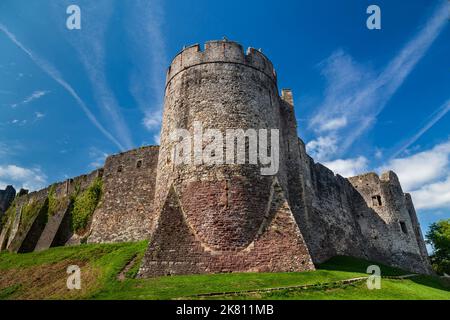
[[43, 275]]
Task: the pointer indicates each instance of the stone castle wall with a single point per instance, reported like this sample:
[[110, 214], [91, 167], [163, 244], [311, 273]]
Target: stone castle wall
[[365, 216], [203, 218], [6, 198], [125, 212], [42, 230], [395, 238]]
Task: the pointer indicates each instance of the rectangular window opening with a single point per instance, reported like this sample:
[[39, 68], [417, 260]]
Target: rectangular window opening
[[403, 227], [376, 201]]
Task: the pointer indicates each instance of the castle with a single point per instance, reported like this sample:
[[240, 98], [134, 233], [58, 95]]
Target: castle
[[204, 218]]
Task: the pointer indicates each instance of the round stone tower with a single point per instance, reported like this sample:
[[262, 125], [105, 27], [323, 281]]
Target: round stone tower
[[219, 88], [225, 205]]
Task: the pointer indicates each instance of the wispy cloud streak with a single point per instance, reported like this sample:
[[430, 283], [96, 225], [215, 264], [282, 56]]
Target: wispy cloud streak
[[356, 95], [149, 50], [34, 96], [55, 75], [437, 115], [91, 48]]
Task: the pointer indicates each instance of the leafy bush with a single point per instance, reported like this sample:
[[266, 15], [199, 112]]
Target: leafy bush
[[439, 237], [84, 205]]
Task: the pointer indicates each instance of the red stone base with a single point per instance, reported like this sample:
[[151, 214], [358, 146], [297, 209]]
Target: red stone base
[[175, 249]]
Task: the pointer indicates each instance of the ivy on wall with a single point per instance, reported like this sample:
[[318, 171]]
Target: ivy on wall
[[55, 204], [84, 205], [30, 211]]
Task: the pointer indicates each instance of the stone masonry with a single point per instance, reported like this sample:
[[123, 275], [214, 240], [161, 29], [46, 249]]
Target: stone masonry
[[209, 218], [125, 212], [6, 198]]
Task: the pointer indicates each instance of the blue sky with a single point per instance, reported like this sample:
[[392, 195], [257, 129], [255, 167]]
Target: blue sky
[[366, 100]]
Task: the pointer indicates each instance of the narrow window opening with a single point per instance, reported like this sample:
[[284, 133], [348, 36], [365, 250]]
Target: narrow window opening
[[376, 201], [139, 164], [403, 227], [119, 169]]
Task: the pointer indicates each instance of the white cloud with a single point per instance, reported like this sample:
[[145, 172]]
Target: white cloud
[[39, 115], [152, 120], [348, 167], [433, 195], [426, 175], [34, 96], [322, 148], [333, 124], [157, 139], [358, 94], [19, 122], [98, 157], [420, 168], [20, 177]]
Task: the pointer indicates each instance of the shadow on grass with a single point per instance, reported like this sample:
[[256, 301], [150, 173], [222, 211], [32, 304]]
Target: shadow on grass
[[432, 282], [350, 264]]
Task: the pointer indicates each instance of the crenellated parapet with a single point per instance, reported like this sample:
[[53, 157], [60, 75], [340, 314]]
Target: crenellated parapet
[[220, 51]]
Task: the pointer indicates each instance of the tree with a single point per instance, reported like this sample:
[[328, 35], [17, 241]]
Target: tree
[[439, 237]]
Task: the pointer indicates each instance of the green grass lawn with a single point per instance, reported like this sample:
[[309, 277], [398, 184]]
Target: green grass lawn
[[42, 275]]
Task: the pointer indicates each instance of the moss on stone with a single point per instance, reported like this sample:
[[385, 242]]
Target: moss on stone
[[55, 204], [29, 212], [8, 214], [84, 205]]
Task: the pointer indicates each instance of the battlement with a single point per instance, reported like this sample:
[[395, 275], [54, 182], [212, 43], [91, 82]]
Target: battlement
[[388, 177], [220, 51]]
